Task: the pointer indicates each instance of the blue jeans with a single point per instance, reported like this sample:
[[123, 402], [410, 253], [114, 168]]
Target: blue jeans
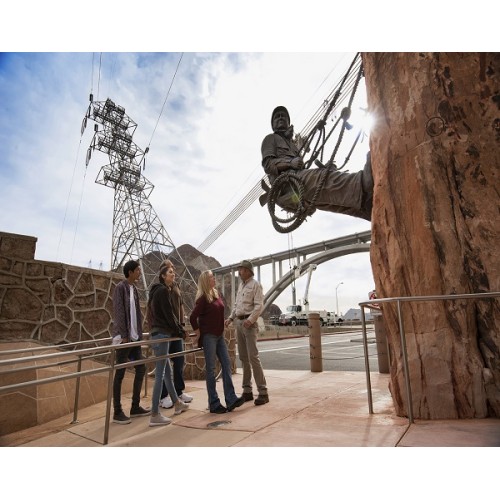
[[163, 371], [215, 345], [178, 369]]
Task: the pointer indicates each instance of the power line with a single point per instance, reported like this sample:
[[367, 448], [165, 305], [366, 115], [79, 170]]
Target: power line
[[232, 217], [67, 201], [348, 82], [165, 101], [78, 215], [74, 170], [92, 76], [99, 77]]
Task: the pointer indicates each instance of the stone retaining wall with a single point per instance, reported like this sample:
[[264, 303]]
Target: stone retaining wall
[[50, 302]]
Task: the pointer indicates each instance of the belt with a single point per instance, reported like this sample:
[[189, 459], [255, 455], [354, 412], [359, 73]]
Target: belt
[[246, 316]]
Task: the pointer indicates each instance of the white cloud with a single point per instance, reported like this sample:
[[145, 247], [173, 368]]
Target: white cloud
[[204, 155]]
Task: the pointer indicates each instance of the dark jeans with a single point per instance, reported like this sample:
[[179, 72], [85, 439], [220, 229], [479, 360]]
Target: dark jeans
[[177, 369], [123, 356], [215, 346]]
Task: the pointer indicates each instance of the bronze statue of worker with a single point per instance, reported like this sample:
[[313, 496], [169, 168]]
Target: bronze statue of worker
[[342, 192]]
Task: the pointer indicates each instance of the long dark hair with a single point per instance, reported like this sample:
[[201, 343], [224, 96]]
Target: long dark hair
[[149, 308]]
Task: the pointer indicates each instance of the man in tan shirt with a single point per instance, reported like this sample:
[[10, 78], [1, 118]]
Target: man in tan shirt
[[246, 311]]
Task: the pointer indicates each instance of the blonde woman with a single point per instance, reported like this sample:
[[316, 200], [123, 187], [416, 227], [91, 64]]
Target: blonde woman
[[207, 320]]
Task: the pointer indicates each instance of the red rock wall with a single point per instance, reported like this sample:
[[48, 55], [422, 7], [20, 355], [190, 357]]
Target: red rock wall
[[435, 223]]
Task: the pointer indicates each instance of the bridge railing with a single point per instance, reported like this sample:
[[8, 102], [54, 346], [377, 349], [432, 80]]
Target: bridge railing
[[320, 252], [75, 352], [399, 300]]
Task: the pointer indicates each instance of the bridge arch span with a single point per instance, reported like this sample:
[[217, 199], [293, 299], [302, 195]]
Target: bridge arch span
[[305, 256], [280, 286]]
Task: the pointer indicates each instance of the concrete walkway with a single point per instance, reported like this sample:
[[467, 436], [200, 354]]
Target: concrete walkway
[[327, 409]]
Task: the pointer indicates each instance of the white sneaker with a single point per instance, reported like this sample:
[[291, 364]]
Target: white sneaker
[[187, 398], [166, 402], [159, 420], [180, 406]]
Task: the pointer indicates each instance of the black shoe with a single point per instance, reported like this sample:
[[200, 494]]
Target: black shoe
[[236, 404], [139, 412], [247, 396], [121, 418], [219, 409], [262, 399]]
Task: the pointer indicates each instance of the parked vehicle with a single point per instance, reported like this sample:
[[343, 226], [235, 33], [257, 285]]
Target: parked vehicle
[[298, 315], [333, 319], [274, 320]]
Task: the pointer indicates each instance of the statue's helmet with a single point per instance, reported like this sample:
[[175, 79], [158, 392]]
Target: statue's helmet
[[276, 110]]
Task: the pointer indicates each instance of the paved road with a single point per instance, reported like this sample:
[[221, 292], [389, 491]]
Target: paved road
[[340, 352]]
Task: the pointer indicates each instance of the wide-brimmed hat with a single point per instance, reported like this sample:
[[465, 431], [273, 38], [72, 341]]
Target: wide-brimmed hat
[[247, 264]]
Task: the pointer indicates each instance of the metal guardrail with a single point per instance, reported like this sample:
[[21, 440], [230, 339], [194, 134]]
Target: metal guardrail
[[78, 356], [425, 298]]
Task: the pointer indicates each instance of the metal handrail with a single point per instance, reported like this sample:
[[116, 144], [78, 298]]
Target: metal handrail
[[60, 346], [419, 298], [88, 353]]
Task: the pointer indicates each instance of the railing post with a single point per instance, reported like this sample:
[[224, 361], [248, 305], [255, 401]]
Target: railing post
[[146, 382], [405, 364], [367, 363], [148, 337], [77, 391], [381, 341], [315, 343], [110, 393], [146, 376]]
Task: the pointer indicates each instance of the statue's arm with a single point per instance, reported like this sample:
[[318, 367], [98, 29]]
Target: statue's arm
[[276, 162]]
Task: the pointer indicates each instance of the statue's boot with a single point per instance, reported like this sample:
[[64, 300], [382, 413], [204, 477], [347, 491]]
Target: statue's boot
[[367, 185]]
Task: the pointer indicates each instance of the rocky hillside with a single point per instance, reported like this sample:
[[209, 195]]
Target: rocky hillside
[[189, 264]]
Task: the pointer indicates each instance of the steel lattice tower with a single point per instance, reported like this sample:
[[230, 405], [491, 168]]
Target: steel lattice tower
[[138, 233]]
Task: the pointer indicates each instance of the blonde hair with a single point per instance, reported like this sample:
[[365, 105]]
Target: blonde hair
[[205, 289]]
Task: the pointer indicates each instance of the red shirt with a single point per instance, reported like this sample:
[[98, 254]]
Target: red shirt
[[208, 316]]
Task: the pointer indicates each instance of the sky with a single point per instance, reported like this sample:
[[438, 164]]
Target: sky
[[204, 137], [204, 151]]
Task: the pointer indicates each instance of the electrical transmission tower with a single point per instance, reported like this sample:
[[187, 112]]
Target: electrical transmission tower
[[138, 233]]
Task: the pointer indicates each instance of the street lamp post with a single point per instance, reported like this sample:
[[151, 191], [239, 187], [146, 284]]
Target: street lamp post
[[337, 297]]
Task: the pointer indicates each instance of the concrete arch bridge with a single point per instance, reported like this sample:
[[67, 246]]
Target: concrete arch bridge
[[313, 254]]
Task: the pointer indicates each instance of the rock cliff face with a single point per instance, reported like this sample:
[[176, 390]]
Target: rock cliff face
[[435, 224]]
